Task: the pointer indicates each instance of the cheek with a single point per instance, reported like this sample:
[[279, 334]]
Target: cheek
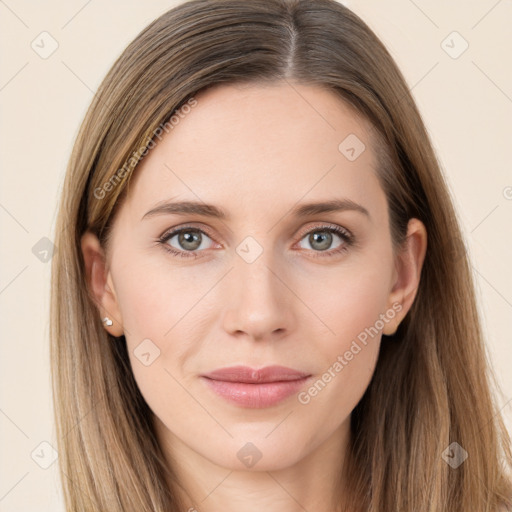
[[155, 322], [347, 301], [351, 305], [349, 355], [153, 296], [162, 308]]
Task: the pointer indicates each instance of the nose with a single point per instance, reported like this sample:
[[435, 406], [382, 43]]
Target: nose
[[261, 304]]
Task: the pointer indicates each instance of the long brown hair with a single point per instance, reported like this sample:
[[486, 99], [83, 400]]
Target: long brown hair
[[432, 385]]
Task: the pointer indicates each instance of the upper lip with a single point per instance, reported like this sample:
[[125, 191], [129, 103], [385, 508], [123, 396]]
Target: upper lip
[[256, 376]]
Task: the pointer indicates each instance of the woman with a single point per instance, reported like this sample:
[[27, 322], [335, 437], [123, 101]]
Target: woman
[[261, 296]]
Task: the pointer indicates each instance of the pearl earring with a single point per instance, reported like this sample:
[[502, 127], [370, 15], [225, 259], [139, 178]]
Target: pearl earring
[[107, 321]]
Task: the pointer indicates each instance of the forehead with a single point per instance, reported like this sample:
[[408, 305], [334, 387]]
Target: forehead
[[257, 143]]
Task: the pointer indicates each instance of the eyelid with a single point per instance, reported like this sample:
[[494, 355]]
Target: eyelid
[[324, 225], [346, 236], [303, 232], [169, 233]]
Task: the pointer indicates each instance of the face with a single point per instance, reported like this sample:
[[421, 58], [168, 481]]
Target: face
[[270, 282]]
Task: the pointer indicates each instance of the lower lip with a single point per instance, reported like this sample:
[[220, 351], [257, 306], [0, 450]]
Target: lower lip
[[256, 396]]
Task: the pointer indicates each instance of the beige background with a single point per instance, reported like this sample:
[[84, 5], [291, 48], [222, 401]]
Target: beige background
[[466, 103]]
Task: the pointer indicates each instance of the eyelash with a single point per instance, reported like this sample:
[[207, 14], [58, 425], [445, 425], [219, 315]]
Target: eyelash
[[346, 236]]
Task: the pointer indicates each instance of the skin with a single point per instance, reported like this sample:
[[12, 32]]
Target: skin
[[257, 151]]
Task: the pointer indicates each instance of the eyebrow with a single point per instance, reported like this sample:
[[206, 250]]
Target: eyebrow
[[209, 210]]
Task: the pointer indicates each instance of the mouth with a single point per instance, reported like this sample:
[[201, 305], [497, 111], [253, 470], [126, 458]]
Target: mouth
[[255, 388]]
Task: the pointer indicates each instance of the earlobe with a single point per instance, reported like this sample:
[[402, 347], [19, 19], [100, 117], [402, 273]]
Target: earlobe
[[100, 285], [408, 267]]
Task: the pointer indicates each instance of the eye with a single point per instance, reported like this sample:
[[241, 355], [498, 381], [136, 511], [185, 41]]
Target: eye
[[321, 239], [185, 241]]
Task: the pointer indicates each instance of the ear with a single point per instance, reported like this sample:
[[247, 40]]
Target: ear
[[99, 282], [408, 265]]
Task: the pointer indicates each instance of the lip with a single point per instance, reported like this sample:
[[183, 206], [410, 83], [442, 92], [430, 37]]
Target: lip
[[255, 388]]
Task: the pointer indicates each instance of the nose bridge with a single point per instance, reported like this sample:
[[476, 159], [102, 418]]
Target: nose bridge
[[259, 305]]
